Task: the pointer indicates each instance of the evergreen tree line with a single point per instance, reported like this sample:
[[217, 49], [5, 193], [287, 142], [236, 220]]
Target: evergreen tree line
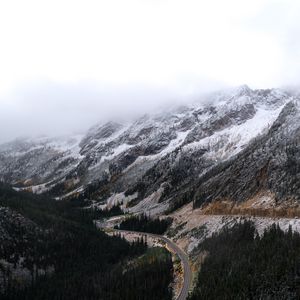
[[152, 273], [240, 264], [106, 213], [68, 258], [144, 223]]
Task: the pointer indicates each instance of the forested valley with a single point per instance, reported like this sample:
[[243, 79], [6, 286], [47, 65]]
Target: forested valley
[[66, 257]]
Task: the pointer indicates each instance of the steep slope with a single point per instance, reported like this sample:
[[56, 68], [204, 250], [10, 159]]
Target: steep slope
[[267, 170], [153, 162], [41, 162], [177, 173]]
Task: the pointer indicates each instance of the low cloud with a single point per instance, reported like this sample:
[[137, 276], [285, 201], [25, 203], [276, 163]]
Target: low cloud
[[113, 59], [59, 109]]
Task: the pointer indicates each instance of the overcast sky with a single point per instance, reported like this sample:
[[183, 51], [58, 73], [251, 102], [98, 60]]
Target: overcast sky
[[67, 64]]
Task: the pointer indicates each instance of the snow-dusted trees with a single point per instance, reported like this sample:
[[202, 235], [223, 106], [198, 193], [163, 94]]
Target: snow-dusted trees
[[243, 265]]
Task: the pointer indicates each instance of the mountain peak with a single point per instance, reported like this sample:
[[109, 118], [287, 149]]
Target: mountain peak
[[148, 149], [242, 90]]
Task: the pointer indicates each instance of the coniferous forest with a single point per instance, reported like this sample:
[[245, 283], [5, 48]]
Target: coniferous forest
[[68, 258], [144, 223], [240, 264]]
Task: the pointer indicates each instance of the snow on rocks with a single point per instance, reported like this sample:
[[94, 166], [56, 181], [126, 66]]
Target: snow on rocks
[[215, 128]]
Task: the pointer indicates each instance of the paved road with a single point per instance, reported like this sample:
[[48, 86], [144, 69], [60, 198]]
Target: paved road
[[187, 273]]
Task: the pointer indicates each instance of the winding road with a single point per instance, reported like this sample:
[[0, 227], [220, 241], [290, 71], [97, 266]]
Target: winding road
[[187, 273]]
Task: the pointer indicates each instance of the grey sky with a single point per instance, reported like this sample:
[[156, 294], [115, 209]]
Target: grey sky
[[65, 65]]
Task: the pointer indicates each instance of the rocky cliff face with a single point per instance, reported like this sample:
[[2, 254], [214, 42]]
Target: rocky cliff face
[[270, 163], [229, 145], [38, 161]]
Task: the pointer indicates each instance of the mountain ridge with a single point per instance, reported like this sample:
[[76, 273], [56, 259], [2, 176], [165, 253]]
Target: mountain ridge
[[152, 163]]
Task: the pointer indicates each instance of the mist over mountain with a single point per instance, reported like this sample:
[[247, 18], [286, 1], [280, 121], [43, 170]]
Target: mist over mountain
[[157, 158], [149, 150], [58, 109]]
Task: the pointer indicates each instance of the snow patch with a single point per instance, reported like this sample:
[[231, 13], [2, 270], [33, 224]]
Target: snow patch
[[117, 151], [230, 141], [151, 204]]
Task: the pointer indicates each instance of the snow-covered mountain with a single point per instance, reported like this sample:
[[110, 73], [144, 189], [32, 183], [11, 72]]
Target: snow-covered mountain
[[157, 161], [39, 162]]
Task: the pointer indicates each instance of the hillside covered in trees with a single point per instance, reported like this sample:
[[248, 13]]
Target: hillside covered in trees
[[240, 264], [51, 250], [144, 223]]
